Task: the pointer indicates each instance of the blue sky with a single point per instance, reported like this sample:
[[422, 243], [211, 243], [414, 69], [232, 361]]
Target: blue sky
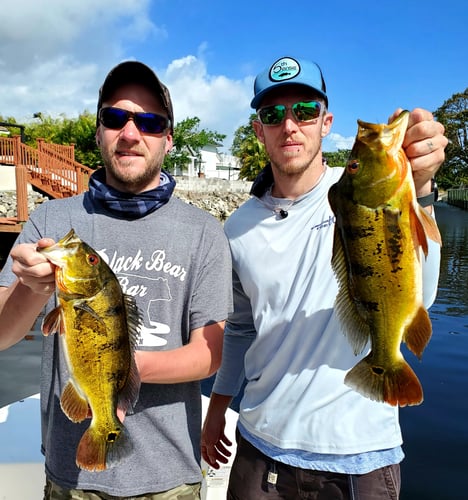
[[375, 56]]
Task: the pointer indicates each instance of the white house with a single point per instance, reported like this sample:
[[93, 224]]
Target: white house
[[210, 163]]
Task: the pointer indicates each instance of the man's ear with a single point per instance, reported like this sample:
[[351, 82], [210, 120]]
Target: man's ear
[[258, 129], [326, 124], [169, 143]]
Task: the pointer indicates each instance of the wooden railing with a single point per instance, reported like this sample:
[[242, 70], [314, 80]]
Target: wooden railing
[[458, 197], [51, 169]]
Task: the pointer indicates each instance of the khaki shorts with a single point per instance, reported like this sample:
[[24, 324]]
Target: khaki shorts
[[53, 491]]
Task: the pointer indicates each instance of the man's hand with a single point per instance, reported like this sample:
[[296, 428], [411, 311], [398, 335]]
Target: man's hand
[[32, 268], [424, 145]]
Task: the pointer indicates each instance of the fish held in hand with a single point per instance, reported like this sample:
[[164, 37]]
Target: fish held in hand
[[381, 236], [98, 327]]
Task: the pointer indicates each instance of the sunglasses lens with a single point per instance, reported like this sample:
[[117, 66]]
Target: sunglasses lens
[[149, 123], [272, 115], [306, 111], [113, 118]]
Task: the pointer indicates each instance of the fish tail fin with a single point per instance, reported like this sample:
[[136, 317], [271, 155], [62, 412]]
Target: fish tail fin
[[419, 332], [100, 449], [395, 385]]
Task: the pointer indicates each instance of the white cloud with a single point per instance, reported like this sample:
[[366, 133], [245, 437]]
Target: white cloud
[[54, 54], [221, 104], [334, 142]]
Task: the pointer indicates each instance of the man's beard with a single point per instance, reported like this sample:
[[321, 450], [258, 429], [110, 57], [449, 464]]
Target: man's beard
[[127, 176]]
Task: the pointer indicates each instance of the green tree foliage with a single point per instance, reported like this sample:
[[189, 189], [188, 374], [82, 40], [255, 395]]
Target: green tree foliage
[[253, 157], [241, 134], [453, 114], [337, 158], [249, 150], [188, 139], [79, 131]]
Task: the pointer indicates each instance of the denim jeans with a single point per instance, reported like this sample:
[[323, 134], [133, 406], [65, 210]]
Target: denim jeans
[[251, 471]]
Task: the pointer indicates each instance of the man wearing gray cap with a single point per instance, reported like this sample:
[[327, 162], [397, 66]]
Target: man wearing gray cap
[[302, 433], [172, 258]]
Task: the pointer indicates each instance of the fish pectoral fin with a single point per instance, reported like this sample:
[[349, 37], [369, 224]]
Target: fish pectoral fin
[[396, 384], [73, 404], [82, 305], [419, 332], [53, 322]]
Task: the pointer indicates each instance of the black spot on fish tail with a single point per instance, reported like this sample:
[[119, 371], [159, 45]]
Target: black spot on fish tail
[[113, 436], [378, 370]]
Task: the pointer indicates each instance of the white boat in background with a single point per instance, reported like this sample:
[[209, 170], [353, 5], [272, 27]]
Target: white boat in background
[[22, 464]]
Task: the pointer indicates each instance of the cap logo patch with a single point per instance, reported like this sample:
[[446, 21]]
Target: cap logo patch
[[284, 69]]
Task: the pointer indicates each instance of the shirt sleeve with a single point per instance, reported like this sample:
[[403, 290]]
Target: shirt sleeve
[[431, 270], [239, 334]]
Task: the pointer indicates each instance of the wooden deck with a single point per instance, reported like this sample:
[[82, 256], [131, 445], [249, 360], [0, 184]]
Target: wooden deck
[[50, 169]]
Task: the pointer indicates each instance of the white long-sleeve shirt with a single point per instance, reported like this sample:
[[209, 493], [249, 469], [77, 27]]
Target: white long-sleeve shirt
[[285, 339]]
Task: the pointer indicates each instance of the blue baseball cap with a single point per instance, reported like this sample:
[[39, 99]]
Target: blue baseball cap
[[287, 71]]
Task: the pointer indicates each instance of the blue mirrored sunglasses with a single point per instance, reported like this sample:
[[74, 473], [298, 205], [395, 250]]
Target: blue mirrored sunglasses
[[149, 123], [303, 111]]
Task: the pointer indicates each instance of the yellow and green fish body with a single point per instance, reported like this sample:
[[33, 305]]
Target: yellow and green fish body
[[380, 238], [98, 325]]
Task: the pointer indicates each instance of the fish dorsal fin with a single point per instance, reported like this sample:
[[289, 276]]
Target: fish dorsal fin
[[134, 319], [352, 322], [128, 396]]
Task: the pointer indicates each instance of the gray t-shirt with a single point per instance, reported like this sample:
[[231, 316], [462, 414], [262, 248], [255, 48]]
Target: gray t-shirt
[[176, 263]]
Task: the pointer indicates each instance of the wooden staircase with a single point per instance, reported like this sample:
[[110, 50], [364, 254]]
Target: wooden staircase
[[50, 169]]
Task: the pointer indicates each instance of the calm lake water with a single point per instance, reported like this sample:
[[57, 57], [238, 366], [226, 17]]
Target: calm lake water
[[435, 433]]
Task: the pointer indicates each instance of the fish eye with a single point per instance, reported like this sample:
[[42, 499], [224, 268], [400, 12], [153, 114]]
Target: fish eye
[[353, 166], [93, 259]]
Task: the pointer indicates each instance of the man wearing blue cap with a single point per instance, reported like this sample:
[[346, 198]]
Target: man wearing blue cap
[[302, 433]]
